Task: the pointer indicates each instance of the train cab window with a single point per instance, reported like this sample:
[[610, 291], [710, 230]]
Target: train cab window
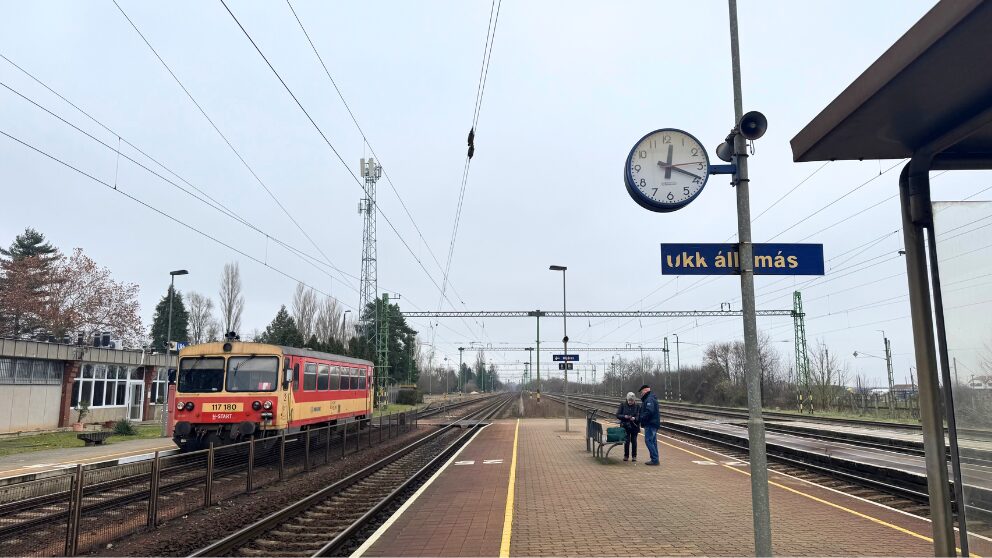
[[296, 377], [310, 376], [200, 375], [335, 378], [252, 373], [323, 374]]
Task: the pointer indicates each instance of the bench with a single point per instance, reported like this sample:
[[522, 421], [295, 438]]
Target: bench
[[95, 438], [596, 441]]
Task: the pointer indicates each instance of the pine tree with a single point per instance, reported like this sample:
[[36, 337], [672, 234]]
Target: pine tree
[[31, 243], [283, 330], [160, 322]]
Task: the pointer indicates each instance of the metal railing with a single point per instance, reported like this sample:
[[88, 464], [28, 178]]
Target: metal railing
[[74, 513]]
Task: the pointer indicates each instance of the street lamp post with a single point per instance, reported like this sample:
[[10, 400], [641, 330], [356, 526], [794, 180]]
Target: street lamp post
[[461, 378], [168, 346], [446, 377], [530, 363], [564, 326], [678, 366]]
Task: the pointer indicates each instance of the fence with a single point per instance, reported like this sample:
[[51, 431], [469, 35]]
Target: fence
[[74, 513]]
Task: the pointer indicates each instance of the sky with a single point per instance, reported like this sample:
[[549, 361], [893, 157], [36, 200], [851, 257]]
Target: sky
[[571, 86]]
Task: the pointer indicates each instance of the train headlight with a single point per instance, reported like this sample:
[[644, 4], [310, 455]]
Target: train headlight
[[267, 405], [189, 405], [180, 406], [256, 405]]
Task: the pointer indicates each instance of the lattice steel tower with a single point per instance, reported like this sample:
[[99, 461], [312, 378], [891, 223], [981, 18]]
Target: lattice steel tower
[[369, 287], [802, 357]]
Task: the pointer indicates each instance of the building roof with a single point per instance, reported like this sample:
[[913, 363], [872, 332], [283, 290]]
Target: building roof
[[932, 88], [26, 348]]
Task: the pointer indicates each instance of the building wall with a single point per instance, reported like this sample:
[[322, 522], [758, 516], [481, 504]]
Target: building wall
[[29, 407]]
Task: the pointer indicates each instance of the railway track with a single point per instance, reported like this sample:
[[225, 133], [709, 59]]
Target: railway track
[[39, 508], [322, 523]]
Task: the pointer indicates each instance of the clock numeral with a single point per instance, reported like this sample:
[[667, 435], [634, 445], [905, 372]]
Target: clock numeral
[[666, 139], [697, 181], [653, 144], [642, 154], [671, 196], [695, 152], [637, 168], [701, 165], [643, 183], [685, 191], [654, 193]]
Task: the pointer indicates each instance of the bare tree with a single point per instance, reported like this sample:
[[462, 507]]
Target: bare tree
[[232, 303], [304, 310], [827, 376], [200, 309], [328, 324], [213, 331]]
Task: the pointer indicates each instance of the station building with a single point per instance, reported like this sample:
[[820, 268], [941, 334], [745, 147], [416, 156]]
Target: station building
[[43, 385]]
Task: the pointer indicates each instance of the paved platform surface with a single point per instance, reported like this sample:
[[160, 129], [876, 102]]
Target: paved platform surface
[[567, 503], [43, 461]]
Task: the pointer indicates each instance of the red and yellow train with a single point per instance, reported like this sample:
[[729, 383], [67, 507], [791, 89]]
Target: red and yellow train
[[228, 392]]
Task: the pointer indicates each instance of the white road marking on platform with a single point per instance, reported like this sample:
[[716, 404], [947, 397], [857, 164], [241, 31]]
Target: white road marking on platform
[[392, 519], [704, 462], [492, 461], [464, 462]]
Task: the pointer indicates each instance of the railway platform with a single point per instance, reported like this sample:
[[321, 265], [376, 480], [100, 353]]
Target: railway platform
[[39, 464], [564, 502]]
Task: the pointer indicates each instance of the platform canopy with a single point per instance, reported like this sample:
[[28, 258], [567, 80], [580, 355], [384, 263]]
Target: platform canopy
[[931, 91]]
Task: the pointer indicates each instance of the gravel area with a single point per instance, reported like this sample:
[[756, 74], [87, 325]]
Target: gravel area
[[186, 534]]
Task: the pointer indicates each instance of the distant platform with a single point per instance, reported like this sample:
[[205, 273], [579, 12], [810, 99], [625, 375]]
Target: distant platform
[[44, 463], [567, 503]]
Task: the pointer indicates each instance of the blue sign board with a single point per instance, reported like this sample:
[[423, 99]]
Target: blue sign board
[[723, 259], [565, 358], [180, 345]]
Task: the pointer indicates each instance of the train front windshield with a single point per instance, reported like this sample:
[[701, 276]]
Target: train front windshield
[[252, 373], [200, 375]]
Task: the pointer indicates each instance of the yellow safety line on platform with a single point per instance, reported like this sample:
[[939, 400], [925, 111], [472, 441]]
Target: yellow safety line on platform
[[816, 499], [504, 546]]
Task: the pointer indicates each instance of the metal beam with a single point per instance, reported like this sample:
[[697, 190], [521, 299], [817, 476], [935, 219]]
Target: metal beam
[[595, 314], [574, 349]]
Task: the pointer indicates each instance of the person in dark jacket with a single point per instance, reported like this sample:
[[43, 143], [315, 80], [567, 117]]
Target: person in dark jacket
[[650, 419], [628, 413]]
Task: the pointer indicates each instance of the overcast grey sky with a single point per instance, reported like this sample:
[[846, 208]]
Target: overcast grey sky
[[572, 85]]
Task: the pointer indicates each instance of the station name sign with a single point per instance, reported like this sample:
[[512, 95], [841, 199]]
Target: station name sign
[[724, 259], [565, 358]]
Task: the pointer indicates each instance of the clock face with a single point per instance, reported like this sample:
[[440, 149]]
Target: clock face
[[666, 170]]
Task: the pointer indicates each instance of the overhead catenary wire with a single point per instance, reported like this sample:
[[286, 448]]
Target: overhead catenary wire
[[209, 201], [169, 216], [226, 140], [330, 145]]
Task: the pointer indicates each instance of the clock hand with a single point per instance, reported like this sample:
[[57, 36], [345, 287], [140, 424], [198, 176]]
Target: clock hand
[[683, 171], [668, 163]]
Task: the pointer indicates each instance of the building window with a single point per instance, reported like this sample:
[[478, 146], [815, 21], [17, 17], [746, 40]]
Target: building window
[[101, 385], [160, 386], [31, 372]]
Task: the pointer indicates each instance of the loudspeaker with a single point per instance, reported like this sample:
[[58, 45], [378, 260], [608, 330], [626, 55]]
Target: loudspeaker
[[725, 151], [753, 125]]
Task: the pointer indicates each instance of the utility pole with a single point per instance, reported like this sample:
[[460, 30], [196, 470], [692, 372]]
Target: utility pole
[[804, 394], [369, 284], [668, 368], [760, 510], [564, 326], [888, 366], [537, 314], [530, 362], [461, 378], [678, 366]]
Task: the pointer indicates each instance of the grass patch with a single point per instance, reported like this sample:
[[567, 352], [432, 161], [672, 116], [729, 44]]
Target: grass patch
[[396, 408], [60, 440]]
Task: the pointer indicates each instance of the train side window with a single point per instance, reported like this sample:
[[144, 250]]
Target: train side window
[[323, 373], [335, 378], [297, 386], [310, 376], [346, 378], [362, 384]]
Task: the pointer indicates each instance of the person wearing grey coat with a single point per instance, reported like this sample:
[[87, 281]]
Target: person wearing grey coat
[[627, 413]]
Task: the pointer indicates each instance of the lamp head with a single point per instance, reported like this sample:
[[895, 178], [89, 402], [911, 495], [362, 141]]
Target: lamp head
[[557, 268], [178, 272]]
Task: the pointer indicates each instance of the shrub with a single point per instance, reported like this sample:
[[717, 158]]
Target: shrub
[[82, 411], [409, 397], [125, 428]]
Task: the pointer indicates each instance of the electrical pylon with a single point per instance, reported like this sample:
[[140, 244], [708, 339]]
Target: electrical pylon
[[802, 357], [369, 284]]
